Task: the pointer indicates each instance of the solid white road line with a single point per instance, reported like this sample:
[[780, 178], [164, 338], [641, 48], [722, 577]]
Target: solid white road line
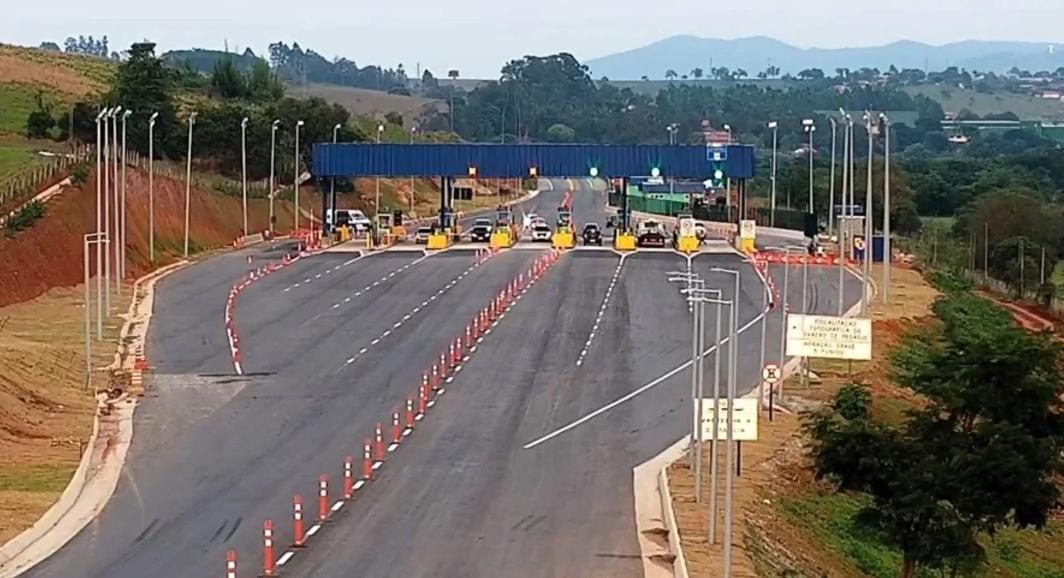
[[285, 558], [633, 394]]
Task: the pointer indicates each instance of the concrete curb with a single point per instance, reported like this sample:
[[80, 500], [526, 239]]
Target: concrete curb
[[654, 515], [97, 474], [679, 564]]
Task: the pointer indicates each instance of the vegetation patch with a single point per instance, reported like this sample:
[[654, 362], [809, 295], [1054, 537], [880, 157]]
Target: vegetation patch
[[24, 217]]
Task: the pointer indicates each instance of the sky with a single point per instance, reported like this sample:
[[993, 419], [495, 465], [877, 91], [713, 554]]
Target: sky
[[478, 36]]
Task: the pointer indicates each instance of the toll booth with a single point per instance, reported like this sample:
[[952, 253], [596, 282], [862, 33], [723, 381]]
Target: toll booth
[[398, 227], [504, 235], [564, 237]]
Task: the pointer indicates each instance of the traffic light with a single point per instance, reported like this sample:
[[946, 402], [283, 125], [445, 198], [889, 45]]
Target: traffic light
[[655, 172], [533, 172], [718, 175], [472, 172], [593, 171]]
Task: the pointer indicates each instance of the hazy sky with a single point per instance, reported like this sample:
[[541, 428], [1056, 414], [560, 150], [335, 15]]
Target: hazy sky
[[478, 36]]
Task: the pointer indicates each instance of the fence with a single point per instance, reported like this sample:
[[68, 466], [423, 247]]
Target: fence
[[209, 182], [17, 188]]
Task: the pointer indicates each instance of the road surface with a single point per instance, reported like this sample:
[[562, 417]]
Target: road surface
[[523, 468]]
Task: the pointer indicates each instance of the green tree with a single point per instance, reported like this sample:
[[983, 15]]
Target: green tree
[[560, 133], [145, 86], [227, 81], [40, 122], [985, 446], [262, 84], [670, 74], [697, 72]]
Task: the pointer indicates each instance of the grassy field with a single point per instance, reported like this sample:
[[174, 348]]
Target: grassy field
[[13, 158], [69, 74], [372, 103], [1026, 107]]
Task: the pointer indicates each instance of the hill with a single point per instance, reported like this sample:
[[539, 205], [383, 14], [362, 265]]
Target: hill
[[373, 103], [202, 60], [754, 54]]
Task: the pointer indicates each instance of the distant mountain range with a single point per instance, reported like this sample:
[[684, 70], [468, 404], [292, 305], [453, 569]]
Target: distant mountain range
[[755, 54]]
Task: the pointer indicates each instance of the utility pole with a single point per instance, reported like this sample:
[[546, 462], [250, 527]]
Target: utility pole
[[125, 216], [116, 232], [844, 242], [332, 185], [810, 128], [413, 130], [107, 230], [377, 202]]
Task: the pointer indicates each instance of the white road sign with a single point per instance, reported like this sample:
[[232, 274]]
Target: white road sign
[[744, 420], [747, 229], [771, 374], [829, 337]]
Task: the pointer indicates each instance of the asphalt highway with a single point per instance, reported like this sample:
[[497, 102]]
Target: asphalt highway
[[524, 467]]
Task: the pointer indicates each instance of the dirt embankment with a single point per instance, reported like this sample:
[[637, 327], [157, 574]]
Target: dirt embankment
[[49, 254]]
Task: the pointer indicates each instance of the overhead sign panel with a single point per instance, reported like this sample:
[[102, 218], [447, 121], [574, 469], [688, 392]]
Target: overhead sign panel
[[829, 337], [744, 420]]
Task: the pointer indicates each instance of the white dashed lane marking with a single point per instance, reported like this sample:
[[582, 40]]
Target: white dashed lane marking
[[414, 311], [600, 314], [378, 282], [327, 272]]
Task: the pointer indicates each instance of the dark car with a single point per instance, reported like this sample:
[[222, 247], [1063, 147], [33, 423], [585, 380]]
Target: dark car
[[651, 234], [481, 231], [592, 234]]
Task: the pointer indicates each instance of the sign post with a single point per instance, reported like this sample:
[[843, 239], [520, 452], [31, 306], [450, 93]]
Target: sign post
[[829, 337], [771, 375], [747, 235]]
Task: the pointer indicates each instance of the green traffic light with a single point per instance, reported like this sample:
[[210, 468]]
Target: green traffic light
[[718, 174], [593, 172], [655, 172]]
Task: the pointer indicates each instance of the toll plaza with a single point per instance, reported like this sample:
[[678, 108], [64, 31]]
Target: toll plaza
[[712, 163]]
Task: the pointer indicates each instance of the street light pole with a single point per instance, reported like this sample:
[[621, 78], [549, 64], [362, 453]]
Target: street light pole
[[377, 202], [116, 230], [122, 232], [100, 195], [332, 185], [810, 128], [868, 218], [273, 152], [106, 168], [413, 130], [295, 182], [151, 186], [831, 193], [772, 202], [729, 460], [885, 122], [841, 238], [188, 177], [244, 169]]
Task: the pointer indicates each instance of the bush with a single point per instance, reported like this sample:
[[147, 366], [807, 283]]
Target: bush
[[948, 282], [38, 124], [80, 174], [24, 217]]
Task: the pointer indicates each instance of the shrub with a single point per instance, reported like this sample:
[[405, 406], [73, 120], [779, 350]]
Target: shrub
[[24, 217]]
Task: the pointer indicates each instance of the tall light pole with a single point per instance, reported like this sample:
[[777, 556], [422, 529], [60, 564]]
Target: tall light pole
[[729, 459], [332, 183], [672, 128], [727, 181], [377, 202], [108, 231], [772, 201], [868, 217], [92, 239], [809, 126], [100, 195], [295, 183], [116, 231], [122, 232], [885, 123], [453, 75], [831, 193], [273, 152], [843, 242], [188, 177], [151, 186], [413, 130], [244, 169]]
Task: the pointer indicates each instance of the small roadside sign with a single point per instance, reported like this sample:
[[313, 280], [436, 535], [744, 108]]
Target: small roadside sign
[[744, 420], [771, 374], [747, 229], [716, 153]]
